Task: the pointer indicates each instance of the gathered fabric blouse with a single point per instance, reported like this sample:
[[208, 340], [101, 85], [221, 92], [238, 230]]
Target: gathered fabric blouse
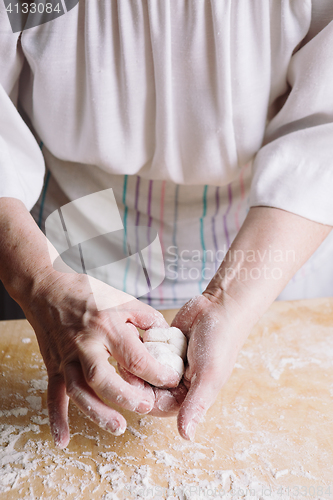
[[182, 93]]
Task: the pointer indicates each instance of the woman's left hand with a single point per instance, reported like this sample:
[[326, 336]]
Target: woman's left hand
[[218, 322], [215, 336]]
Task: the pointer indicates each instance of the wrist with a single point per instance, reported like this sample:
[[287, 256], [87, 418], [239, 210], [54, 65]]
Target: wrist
[[24, 256], [24, 286], [234, 322], [242, 300]]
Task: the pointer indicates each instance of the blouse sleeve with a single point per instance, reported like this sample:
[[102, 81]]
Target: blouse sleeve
[[21, 161], [293, 170]]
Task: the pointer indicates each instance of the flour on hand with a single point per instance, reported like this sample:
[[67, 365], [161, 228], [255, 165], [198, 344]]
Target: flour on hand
[[168, 346]]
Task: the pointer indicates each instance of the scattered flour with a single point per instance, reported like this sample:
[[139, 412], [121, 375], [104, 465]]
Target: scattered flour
[[135, 432], [15, 412], [110, 496], [35, 402], [26, 341], [197, 455], [38, 385], [292, 363], [37, 419], [25, 452], [109, 473], [113, 474], [14, 465], [162, 457], [281, 473]]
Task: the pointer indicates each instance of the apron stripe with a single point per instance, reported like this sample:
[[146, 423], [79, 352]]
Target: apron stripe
[[202, 237], [217, 202], [42, 203], [125, 211], [150, 190], [137, 222], [161, 229], [226, 232], [125, 229], [174, 239]]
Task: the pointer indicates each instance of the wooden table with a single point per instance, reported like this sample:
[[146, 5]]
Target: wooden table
[[269, 435]]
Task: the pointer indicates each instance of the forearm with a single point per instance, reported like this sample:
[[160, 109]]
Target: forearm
[[270, 247], [24, 256]]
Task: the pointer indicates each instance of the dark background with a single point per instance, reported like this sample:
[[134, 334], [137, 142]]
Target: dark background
[[9, 309]]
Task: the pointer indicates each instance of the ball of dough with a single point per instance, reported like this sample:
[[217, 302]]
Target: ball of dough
[[165, 356], [168, 346], [171, 336]]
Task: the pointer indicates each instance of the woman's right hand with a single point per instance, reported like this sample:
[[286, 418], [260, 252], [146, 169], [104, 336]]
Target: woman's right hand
[[76, 340]]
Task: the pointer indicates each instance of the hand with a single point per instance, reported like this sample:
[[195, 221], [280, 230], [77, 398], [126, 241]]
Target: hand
[[248, 280], [214, 340], [215, 337], [167, 402], [76, 341]]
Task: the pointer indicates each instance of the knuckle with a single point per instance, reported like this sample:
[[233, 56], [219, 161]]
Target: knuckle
[[98, 321], [98, 378], [72, 389], [54, 382], [201, 406], [137, 363], [79, 339], [93, 374]]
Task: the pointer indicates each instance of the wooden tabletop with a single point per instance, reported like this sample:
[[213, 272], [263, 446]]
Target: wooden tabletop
[[268, 436]]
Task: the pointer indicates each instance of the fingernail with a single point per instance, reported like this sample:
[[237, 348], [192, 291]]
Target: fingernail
[[144, 407], [190, 430], [117, 431], [56, 437], [58, 443]]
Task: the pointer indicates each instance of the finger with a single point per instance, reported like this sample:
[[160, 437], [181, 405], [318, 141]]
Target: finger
[[199, 398], [144, 316], [84, 397], [136, 381], [128, 350], [185, 317], [57, 402], [168, 401], [102, 378]]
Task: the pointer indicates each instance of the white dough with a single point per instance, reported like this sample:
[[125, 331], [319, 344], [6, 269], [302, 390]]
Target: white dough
[[171, 336], [179, 346], [168, 346], [165, 356], [163, 334]]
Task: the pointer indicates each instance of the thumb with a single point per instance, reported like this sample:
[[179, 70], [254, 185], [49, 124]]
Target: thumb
[[199, 399]]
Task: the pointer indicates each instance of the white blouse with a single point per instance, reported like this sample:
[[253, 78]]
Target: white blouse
[[185, 92]]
